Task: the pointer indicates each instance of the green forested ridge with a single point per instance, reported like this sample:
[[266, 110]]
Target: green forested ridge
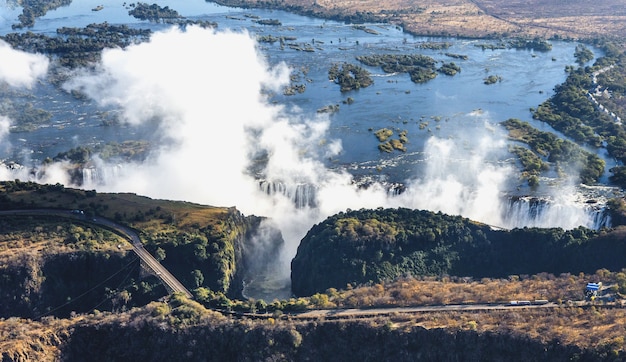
[[202, 246], [364, 246]]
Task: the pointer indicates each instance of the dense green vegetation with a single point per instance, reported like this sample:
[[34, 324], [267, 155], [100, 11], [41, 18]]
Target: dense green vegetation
[[387, 144], [373, 245], [532, 164], [33, 9], [127, 150], [202, 246], [25, 116], [537, 44], [566, 156], [154, 12], [350, 76], [421, 68], [571, 111], [583, 54], [78, 46], [449, 68], [492, 79]]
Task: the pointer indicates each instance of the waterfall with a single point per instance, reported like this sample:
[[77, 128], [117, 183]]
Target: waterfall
[[99, 175], [545, 212], [302, 195]]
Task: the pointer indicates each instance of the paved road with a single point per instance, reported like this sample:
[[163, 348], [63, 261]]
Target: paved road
[[170, 282], [347, 313]]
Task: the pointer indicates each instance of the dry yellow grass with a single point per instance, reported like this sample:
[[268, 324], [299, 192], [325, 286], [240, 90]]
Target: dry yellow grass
[[435, 291], [479, 18]]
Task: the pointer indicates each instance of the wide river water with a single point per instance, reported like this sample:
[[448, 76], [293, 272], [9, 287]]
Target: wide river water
[[460, 108], [445, 107]]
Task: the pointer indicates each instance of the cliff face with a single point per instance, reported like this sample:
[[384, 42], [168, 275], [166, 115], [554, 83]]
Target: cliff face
[[58, 284], [374, 245], [55, 264], [323, 341]]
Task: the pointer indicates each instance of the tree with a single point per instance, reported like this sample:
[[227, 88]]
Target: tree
[[197, 277], [159, 254]]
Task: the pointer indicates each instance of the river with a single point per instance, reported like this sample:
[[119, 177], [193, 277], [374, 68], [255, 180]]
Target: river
[[451, 122]]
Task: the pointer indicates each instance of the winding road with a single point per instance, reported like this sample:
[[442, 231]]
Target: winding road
[[170, 282]]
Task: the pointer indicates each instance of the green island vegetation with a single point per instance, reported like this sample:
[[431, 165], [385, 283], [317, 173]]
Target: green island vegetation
[[154, 12], [331, 108], [457, 56], [571, 111], [434, 45], [32, 9], [25, 116], [158, 14], [365, 29], [370, 246], [565, 155], [389, 145], [536, 44], [80, 158], [76, 47], [274, 22], [532, 164], [421, 68], [591, 113], [349, 76], [492, 79], [449, 68], [583, 54]]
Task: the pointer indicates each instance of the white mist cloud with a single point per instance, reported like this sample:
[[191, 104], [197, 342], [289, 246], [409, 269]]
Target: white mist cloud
[[21, 69], [201, 91], [5, 123], [460, 180]]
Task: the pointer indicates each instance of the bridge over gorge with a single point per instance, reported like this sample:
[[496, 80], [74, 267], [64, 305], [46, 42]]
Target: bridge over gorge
[[169, 281]]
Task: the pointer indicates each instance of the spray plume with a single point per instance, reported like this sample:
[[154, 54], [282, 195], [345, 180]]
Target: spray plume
[[201, 91], [20, 69]]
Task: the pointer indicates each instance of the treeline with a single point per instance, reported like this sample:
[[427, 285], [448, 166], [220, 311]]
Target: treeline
[[365, 246], [537, 44], [33, 9], [421, 68], [572, 111], [78, 46], [154, 12], [126, 150], [165, 331], [349, 76]]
